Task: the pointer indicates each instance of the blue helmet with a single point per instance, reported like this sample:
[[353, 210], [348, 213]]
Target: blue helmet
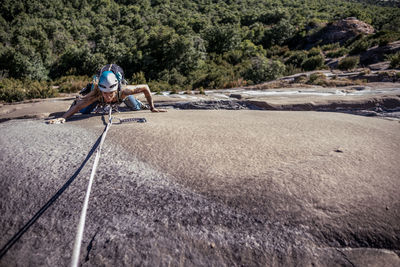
[[108, 82]]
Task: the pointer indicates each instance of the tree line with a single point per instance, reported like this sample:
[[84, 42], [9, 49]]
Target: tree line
[[178, 44]]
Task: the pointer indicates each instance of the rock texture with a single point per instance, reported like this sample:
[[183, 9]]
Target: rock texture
[[372, 99], [207, 188], [341, 31], [378, 54]]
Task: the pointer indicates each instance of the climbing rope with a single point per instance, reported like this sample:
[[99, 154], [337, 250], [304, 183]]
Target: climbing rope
[[49, 203], [81, 225], [98, 145]]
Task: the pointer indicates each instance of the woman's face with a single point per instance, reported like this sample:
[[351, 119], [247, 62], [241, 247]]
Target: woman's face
[[108, 96]]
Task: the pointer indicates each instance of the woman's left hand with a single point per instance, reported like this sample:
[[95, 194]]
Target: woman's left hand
[[56, 121]]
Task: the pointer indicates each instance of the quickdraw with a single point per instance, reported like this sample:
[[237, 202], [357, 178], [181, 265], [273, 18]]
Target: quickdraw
[[140, 120]]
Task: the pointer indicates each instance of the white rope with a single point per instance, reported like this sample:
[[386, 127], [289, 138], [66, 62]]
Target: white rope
[[81, 225]]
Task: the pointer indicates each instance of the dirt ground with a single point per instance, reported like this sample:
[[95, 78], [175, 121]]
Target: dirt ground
[[203, 188]]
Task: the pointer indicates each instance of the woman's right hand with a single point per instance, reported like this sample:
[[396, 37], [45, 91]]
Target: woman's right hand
[[56, 121], [158, 110]]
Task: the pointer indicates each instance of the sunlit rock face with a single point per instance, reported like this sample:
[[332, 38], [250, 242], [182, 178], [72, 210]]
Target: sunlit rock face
[[206, 188], [340, 31]]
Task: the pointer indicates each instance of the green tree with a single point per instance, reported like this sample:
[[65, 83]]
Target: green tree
[[313, 63], [78, 61], [279, 33], [297, 58], [167, 50], [221, 39], [260, 69]]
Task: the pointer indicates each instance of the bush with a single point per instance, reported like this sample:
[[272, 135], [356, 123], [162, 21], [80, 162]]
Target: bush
[[78, 61], [338, 53], [349, 63], [388, 76], [394, 60], [159, 86], [301, 79], [13, 90], [172, 77], [261, 69], [384, 42], [138, 78], [276, 51], [317, 79], [328, 47], [385, 37], [215, 75], [222, 38], [291, 69], [36, 89], [71, 84], [359, 46], [297, 58], [315, 51], [313, 63]]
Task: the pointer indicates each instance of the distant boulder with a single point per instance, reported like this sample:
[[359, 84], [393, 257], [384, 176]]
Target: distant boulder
[[340, 31]]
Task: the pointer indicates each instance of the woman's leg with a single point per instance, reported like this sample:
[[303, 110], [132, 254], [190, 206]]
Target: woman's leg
[[133, 103]]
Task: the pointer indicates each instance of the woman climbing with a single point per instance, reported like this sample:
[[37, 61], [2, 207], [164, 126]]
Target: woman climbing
[[109, 89]]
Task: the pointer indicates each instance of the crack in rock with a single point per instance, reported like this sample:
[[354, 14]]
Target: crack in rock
[[90, 246], [345, 257]]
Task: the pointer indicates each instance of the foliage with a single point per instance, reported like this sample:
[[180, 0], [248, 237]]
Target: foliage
[[313, 63], [389, 76], [260, 69], [78, 61], [349, 63], [338, 53], [290, 70], [384, 37], [317, 78], [159, 86], [297, 58], [360, 46], [71, 83], [221, 39], [138, 78], [12, 90], [329, 47], [320, 79], [361, 43], [394, 60], [315, 51], [176, 44]]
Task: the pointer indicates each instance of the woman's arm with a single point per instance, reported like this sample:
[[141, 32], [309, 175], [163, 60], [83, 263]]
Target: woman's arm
[[141, 88], [80, 104]]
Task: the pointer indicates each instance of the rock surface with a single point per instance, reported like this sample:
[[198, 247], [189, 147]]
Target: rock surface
[[204, 188], [340, 31], [378, 54]]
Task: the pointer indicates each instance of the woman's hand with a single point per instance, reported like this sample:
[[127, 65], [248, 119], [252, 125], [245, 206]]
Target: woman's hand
[[158, 110], [56, 121]]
